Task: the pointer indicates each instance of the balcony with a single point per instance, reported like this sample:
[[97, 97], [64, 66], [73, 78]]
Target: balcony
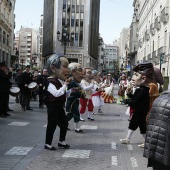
[[164, 15], [147, 36], [149, 57], [152, 29], [157, 23], [144, 59], [154, 54], [140, 43], [162, 50]]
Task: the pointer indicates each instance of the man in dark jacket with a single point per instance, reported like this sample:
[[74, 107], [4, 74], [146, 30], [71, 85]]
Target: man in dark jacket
[[5, 85], [157, 141], [18, 82], [26, 78], [41, 90]]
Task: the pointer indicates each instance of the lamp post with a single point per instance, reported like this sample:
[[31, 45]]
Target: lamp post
[[65, 38], [162, 55], [17, 57], [22, 61]]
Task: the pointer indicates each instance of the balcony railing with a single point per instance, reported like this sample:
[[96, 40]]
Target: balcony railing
[[161, 50], [154, 54], [164, 15], [149, 57], [157, 23]]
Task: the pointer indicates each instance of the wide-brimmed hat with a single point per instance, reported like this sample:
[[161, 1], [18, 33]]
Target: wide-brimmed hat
[[142, 67]]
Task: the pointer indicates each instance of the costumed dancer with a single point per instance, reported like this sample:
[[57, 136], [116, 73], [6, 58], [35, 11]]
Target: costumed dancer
[[72, 104], [96, 94], [123, 86], [140, 100], [57, 66], [108, 94], [88, 86]]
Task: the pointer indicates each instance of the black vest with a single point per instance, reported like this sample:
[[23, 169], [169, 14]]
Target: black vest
[[58, 85]]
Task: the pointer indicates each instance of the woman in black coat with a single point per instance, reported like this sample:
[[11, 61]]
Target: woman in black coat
[[157, 141]]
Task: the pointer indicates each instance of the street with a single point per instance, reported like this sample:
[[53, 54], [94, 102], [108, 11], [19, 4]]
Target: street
[[22, 138]]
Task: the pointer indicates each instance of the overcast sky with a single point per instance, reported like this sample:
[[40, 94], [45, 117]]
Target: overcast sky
[[114, 16]]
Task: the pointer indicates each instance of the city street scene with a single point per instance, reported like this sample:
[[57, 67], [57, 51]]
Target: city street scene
[[84, 84], [22, 138]]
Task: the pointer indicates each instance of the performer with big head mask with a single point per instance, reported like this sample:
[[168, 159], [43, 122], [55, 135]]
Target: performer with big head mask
[[72, 105], [140, 100], [88, 86], [57, 66]]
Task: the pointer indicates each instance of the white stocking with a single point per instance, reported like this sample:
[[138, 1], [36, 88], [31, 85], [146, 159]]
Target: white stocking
[[144, 135], [130, 133], [76, 126]]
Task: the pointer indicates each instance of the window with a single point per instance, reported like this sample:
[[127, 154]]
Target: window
[[82, 8], [4, 37], [0, 35], [77, 8]]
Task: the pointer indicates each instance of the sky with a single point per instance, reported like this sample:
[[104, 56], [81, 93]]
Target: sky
[[114, 16]]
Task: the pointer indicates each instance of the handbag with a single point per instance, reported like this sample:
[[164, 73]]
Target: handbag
[[121, 91]]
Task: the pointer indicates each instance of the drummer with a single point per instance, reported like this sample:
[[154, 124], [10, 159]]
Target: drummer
[[27, 78], [5, 85]]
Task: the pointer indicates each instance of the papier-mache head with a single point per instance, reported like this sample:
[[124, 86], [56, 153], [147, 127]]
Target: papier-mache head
[[57, 66]]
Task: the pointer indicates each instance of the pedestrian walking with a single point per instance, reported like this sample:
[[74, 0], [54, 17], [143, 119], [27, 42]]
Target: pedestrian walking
[[157, 141]]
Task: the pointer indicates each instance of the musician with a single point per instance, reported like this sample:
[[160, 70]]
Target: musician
[[27, 78], [57, 66], [72, 105], [35, 92], [41, 89], [5, 85], [88, 86], [18, 83]]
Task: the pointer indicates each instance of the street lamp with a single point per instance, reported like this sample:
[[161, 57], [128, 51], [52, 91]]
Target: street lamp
[[22, 61], [65, 38]]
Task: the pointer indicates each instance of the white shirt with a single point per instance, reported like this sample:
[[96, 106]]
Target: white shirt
[[57, 93]]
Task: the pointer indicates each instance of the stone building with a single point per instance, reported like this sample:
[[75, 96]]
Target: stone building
[[80, 17], [6, 30]]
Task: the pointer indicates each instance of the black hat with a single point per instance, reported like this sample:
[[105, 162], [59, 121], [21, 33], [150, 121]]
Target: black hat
[[142, 67], [2, 64], [28, 66]]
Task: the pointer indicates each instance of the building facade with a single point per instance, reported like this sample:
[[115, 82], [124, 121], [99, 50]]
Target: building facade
[[153, 32], [80, 17], [111, 54], [26, 42], [123, 49], [6, 30]]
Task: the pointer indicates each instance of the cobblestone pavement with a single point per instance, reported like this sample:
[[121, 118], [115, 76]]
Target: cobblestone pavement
[[97, 149]]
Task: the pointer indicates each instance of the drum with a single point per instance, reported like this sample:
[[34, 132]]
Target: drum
[[32, 86], [14, 91]]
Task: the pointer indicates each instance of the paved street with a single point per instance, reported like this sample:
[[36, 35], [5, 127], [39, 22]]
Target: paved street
[[22, 141]]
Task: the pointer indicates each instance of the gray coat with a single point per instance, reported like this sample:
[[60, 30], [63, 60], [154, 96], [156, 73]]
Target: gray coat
[[157, 142]]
